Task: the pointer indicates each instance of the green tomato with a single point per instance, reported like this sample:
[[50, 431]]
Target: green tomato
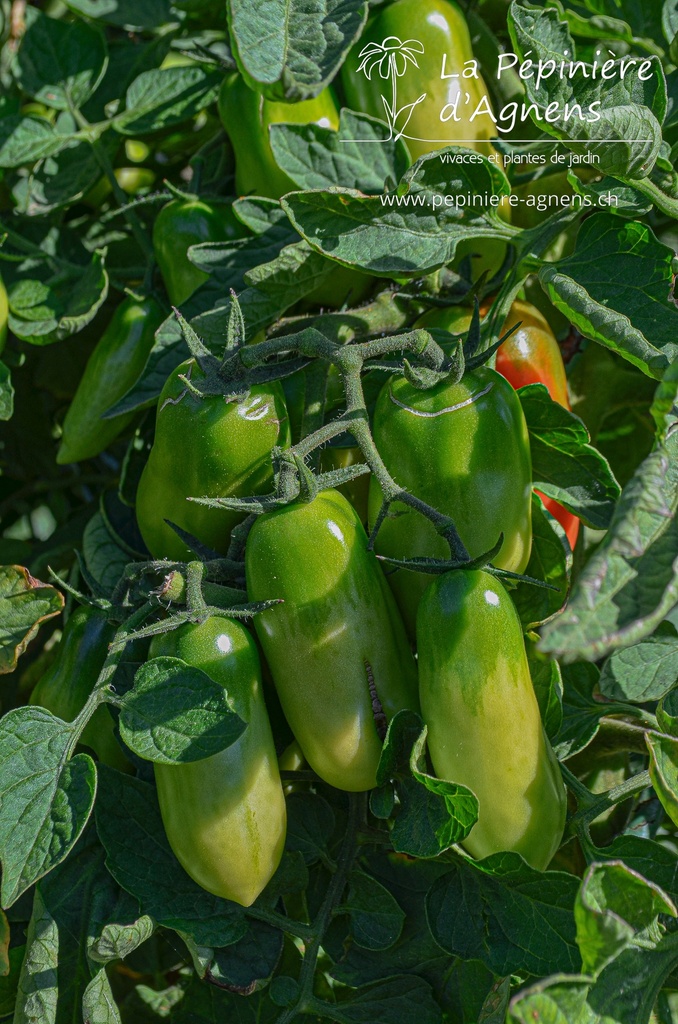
[[70, 679], [464, 449], [336, 646], [113, 367], [185, 222], [388, 64], [225, 815], [531, 355], [132, 180], [484, 727], [247, 115], [206, 447]]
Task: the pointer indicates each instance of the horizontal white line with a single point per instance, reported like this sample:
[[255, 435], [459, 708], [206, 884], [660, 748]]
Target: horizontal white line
[[551, 142]]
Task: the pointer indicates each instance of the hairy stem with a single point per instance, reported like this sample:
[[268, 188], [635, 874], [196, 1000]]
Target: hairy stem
[[306, 1001]]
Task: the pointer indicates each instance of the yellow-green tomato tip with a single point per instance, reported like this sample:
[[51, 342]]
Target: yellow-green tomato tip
[[484, 725], [64, 456], [225, 815]]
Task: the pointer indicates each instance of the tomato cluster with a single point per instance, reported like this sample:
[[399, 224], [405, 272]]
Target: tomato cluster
[[352, 641]]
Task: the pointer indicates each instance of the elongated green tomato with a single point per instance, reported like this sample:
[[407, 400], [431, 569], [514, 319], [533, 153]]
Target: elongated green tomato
[[70, 679], [113, 367], [401, 57], [4, 315], [225, 815], [464, 449], [206, 447], [336, 646], [186, 222], [247, 115], [530, 356], [484, 727]]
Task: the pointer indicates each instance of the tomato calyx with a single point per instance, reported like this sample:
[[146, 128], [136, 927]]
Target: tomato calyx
[[438, 566]]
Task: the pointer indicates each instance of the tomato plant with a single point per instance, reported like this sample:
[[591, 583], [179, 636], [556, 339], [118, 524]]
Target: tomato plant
[[338, 533]]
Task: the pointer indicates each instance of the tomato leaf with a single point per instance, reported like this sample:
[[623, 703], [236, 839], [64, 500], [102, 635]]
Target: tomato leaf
[[317, 157], [60, 63], [433, 814], [626, 135], [161, 97], [129, 14], [244, 964], [176, 714], [615, 288], [124, 932], [310, 824], [44, 807], [550, 561], [387, 1002], [642, 672], [614, 906], [26, 139], [141, 861], [376, 918], [25, 603], [565, 466], [411, 231], [667, 713], [505, 913], [9, 983], [548, 687], [631, 581], [292, 49], [581, 712], [73, 901], [626, 990], [663, 768], [55, 286], [104, 558]]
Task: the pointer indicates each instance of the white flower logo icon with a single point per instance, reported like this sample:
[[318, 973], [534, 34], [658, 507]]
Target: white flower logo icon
[[391, 58]]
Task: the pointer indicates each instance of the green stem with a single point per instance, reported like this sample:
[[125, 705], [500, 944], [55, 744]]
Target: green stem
[[130, 216], [349, 360], [591, 807], [630, 787], [617, 734], [585, 797], [101, 693], [107, 167], [306, 1001], [302, 931], [195, 572], [660, 199]]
